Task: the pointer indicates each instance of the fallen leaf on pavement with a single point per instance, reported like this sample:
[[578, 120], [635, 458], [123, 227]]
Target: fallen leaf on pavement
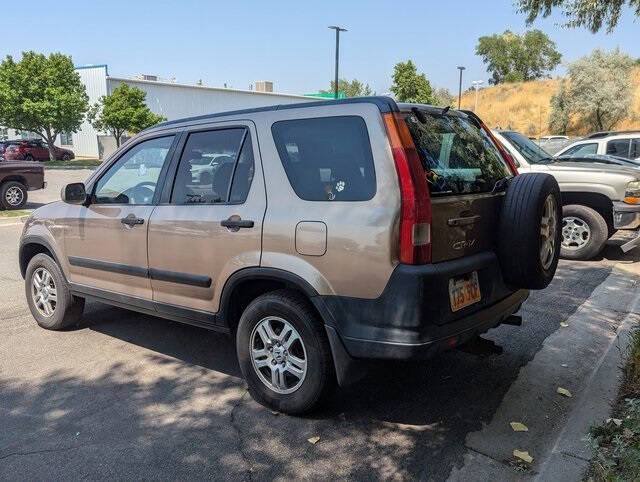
[[274, 412], [617, 421], [564, 324], [519, 427], [564, 391], [313, 440], [523, 455], [564, 365]]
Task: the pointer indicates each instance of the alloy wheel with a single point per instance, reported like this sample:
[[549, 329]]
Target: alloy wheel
[[576, 233], [278, 355], [548, 227], [14, 196], [44, 292]]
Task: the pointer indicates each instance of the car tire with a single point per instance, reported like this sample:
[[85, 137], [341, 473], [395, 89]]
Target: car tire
[[291, 317], [66, 157], [529, 231], [584, 232], [29, 157], [13, 195], [50, 313]]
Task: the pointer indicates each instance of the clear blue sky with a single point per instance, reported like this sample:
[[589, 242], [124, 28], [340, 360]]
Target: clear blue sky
[[238, 42]]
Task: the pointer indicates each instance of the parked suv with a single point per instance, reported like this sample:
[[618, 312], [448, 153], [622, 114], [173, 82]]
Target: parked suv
[[328, 233], [624, 144], [16, 178], [34, 150], [598, 196]]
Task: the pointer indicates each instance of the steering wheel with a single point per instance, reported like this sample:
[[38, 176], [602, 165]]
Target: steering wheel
[[142, 193]]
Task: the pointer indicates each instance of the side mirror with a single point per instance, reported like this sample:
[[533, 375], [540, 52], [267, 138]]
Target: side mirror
[[74, 193]]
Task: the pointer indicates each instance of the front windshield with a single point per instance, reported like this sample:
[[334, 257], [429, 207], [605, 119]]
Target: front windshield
[[532, 152]]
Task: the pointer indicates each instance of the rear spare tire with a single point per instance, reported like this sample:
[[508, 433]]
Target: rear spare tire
[[584, 232], [529, 232]]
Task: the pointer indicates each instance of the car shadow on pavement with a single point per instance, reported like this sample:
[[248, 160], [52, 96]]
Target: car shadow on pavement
[[33, 205], [179, 408]]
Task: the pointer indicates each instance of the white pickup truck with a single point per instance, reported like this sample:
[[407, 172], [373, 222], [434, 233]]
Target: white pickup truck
[[598, 199]]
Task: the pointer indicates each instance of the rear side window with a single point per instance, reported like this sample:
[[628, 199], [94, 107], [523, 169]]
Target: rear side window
[[458, 156], [619, 147], [327, 158], [216, 167], [635, 149]]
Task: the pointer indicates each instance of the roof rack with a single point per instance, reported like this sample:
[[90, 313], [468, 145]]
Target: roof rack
[[385, 104], [598, 135]]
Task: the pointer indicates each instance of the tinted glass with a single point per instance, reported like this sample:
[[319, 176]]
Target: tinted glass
[[619, 147], [207, 165], [635, 149], [327, 158], [133, 178], [458, 156], [532, 152], [581, 150]]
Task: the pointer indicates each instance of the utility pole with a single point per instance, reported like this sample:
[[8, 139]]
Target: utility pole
[[335, 83], [460, 68], [476, 84]]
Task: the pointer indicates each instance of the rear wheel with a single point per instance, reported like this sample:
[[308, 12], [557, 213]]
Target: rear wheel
[[284, 352], [29, 157], [48, 296], [584, 232], [13, 195]]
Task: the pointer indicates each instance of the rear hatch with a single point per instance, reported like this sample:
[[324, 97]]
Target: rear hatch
[[462, 166]]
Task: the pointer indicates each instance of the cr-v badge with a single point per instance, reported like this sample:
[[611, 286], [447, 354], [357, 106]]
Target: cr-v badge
[[464, 244]]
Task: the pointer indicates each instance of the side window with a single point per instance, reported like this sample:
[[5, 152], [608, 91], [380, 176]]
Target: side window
[[582, 150], [133, 178], [635, 148], [619, 147], [327, 158], [216, 167]]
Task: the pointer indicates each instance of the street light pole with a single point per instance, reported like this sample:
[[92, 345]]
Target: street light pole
[[460, 68], [476, 84], [335, 83]]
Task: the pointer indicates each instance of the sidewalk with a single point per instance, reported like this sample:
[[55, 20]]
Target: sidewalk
[[584, 358]]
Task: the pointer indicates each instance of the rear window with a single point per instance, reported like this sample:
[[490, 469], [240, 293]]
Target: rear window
[[458, 156], [327, 158]]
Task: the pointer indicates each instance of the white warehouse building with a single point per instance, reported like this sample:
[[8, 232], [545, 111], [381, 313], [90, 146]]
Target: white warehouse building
[[169, 99]]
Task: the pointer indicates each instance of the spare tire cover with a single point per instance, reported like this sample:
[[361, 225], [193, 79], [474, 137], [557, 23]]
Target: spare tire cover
[[529, 233]]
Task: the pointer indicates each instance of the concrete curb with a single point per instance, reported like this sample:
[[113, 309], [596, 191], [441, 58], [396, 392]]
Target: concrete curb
[[570, 456], [69, 168]]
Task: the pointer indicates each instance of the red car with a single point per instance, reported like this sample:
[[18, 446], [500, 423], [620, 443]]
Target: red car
[[33, 150]]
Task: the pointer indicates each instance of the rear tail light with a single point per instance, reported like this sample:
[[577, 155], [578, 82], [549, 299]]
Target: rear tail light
[[415, 221]]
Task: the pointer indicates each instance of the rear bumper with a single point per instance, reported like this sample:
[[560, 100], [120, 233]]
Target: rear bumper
[[412, 319], [626, 216]]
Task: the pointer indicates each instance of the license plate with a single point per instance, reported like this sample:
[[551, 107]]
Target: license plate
[[464, 291]]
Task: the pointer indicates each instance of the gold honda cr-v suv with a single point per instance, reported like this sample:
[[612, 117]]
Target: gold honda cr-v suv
[[318, 235]]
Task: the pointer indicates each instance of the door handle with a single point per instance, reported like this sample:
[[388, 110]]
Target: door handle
[[234, 223], [131, 221], [463, 221]]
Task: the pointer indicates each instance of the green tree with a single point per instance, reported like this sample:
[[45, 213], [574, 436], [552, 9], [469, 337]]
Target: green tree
[[580, 13], [351, 88], [600, 88], [409, 86], [514, 58], [43, 95], [124, 110], [560, 110]]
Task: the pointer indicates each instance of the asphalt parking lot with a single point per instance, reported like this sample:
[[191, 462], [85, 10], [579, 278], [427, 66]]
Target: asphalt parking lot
[[132, 396]]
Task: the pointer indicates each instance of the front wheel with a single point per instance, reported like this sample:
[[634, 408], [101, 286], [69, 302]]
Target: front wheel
[[48, 296], [584, 232], [284, 352]]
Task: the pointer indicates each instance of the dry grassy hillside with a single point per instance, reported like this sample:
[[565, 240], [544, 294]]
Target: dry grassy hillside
[[524, 106]]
